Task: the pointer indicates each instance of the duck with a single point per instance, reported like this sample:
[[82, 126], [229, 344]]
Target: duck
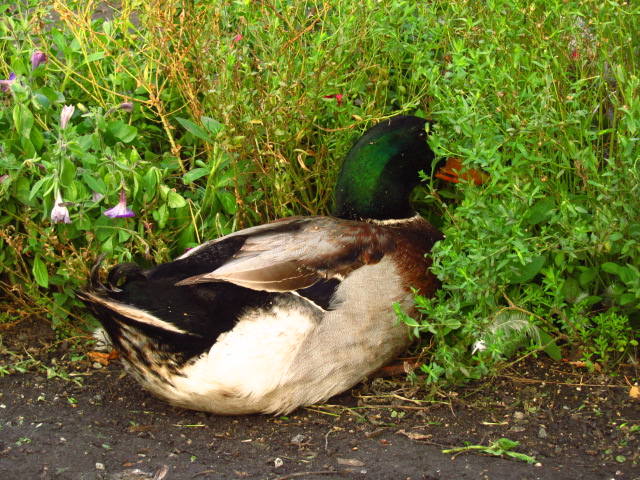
[[289, 313]]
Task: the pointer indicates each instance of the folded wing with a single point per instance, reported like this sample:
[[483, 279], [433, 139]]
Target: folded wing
[[295, 253]]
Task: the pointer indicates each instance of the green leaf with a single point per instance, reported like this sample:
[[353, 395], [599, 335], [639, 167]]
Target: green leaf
[[102, 227], [192, 175], [95, 56], [36, 187], [506, 444], [27, 147], [186, 238], [521, 456], [22, 120], [212, 126], [161, 216], [40, 272], [224, 179], [614, 237], [68, 172], [37, 139], [97, 185], [122, 131], [525, 273], [571, 289], [611, 267], [51, 94], [586, 276], [107, 245], [83, 223], [42, 101], [550, 347], [175, 200], [228, 202], [627, 274], [123, 236], [21, 186], [150, 181], [590, 300], [627, 298], [195, 130], [59, 39], [540, 211]]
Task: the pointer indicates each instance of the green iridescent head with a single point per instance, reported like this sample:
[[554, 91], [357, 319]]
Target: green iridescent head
[[381, 169]]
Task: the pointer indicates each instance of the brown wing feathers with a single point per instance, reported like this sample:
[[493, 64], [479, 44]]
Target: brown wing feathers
[[318, 248]]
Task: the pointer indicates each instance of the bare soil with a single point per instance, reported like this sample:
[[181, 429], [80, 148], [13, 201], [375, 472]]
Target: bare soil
[[576, 424]]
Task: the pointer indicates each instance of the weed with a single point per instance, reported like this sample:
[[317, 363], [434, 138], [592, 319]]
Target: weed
[[502, 446], [202, 118]]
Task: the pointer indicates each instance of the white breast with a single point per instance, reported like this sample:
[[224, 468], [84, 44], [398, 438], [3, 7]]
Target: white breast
[[294, 354]]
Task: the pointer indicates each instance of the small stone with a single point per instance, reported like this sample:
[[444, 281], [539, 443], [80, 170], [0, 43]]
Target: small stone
[[352, 462], [298, 439], [99, 466], [542, 432]]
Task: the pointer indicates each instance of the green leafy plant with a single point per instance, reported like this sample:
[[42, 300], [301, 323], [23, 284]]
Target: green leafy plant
[[502, 446], [545, 254], [169, 123]]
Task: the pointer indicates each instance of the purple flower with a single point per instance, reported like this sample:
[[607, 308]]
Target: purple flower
[[96, 196], [65, 115], [120, 210], [5, 85], [37, 59], [59, 212], [126, 106]]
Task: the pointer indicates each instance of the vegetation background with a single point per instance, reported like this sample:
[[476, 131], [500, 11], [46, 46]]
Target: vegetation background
[[211, 116]]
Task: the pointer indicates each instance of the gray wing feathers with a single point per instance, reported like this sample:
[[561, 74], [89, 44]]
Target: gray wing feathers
[[277, 258]]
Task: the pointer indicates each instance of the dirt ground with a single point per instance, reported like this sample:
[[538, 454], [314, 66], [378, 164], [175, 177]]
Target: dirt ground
[[575, 424]]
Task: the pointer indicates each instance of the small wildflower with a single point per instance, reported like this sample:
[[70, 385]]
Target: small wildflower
[[237, 38], [337, 96], [575, 54], [59, 212], [120, 210], [96, 196], [126, 106], [37, 59], [65, 115], [3, 178], [5, 85]]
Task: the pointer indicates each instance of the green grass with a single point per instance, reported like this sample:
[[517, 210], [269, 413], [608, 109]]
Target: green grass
[[236, 122]]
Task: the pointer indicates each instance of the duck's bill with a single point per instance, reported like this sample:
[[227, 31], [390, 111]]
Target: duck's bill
[[454, 172]]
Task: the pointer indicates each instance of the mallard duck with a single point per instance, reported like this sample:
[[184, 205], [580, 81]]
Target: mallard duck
[[289, 313]]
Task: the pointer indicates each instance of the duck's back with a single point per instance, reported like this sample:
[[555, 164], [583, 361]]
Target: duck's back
[[268, 318]]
